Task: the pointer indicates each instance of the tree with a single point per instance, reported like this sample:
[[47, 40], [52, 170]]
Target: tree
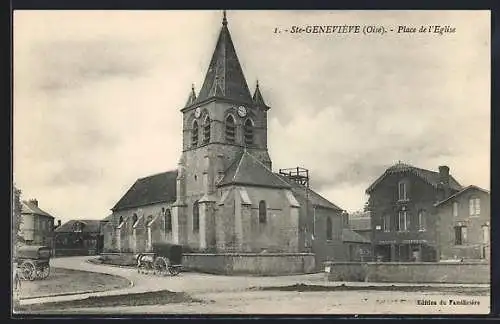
[[17, 218]]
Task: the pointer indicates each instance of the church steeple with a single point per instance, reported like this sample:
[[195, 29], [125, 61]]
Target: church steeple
[[258, 99], [192, 97], [224, 78]]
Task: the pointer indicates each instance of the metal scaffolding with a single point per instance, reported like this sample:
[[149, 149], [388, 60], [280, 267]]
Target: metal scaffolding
[[297, 174]]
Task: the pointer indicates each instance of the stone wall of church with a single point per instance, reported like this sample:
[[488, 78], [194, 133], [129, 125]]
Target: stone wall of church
[[238, 226], [130, 239], [225, 231]]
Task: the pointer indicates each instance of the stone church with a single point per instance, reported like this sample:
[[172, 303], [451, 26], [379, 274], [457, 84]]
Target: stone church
[[224, 195]]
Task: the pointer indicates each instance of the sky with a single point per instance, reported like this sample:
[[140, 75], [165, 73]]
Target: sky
[[97, 98]]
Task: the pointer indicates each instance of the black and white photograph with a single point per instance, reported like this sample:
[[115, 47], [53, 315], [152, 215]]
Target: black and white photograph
[[251, 162]]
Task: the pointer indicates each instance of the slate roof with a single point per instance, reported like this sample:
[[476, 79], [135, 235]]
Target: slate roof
[[461, 192], [156, 188], [28, 207], [109, 218], [224, 78], [431, 177], [90, 226], [314, 198], [191, 98], [257, 97], [360, 223], [247, 170], [351, 236]]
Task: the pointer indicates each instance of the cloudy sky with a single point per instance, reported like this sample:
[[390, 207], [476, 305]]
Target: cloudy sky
[[97, 96]]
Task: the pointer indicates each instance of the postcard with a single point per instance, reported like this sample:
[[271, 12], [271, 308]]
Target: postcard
[[311, 162]]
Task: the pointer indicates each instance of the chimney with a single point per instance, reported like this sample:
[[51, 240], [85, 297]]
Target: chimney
[[34, 202], [444, 175], [444, 181]]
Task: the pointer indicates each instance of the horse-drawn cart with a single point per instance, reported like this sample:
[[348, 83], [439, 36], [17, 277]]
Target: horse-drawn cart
[[164, 259], [33, 262]]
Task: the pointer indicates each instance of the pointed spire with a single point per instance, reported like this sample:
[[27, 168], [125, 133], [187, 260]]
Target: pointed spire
[[224, 18], [257, 97], [191, 97], [224, 77]]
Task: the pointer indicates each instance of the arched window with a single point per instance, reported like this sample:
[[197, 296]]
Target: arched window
[[329, 228], [194, 134], [262, 212], [230, 129], [206, 130], [121, 220], [168, 221], [134, 219], [248, 130], [196, 217]]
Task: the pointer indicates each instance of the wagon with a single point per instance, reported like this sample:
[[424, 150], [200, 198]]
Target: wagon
[[33, 262], [164, 259]]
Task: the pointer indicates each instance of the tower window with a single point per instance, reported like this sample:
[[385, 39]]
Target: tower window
[[262, 212], [248, 130], [134, 219], [206, 130], [194, 134], [329, 228], [121, 220], [230, 129], [196, 217]]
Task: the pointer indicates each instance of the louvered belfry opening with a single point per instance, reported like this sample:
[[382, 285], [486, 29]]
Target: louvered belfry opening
[[248, 130], [230, 129], [194, 134], [206, 130]]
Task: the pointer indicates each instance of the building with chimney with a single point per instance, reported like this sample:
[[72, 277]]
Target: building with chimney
[[224, 196], [37, 227], [402, 204]]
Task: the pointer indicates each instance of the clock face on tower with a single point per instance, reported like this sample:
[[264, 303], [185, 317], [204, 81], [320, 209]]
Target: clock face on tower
[[242, 111], [197, 112]]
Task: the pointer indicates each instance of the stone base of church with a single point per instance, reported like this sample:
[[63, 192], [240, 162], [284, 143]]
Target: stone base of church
[[263, 264]]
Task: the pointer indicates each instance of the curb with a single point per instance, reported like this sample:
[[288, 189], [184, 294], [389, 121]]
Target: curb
[[110, 265], [131, 284]]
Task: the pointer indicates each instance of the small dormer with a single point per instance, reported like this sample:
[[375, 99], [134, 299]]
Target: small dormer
[[78, 227]]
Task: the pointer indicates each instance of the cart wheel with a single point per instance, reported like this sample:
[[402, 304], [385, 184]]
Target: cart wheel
[[161, 266], [28, 270], [174, 271], [44, 272]]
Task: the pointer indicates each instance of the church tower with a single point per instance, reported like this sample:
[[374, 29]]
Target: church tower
[[219, 123]]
